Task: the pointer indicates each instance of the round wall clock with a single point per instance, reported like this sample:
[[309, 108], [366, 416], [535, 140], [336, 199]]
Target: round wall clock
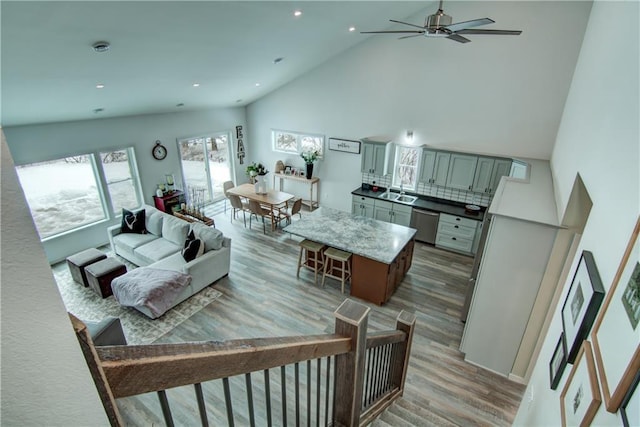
[[159, 151]]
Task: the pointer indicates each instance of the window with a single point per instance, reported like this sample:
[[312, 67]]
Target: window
[[406, 168], [62, 194], [66, 194], [297, 143], [121, 187]]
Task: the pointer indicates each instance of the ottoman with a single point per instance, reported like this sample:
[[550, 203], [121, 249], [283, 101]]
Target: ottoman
[[79, 261], [101, 273]]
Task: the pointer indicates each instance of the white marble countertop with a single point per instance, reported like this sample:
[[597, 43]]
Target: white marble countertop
[[367, 237]]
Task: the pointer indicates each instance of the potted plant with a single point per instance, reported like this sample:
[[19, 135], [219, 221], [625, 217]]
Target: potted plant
[[255, 169], [309, 158]]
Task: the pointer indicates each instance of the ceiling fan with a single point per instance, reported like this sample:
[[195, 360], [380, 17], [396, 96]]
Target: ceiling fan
[[439, 25]]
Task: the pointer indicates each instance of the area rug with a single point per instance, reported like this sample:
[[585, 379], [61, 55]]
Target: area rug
[[138, 328]]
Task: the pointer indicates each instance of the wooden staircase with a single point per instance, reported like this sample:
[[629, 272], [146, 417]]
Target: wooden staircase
[[347, 378]]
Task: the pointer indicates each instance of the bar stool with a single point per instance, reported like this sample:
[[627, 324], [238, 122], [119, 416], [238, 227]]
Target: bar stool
[[313, 260], [332, 255]]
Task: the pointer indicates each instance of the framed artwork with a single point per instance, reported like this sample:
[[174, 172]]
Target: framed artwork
[[580, 398], [616, 333], [630, 408], [581, 305], [346, 145], [558, 363]]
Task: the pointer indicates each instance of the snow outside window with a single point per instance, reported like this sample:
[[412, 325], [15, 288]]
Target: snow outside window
[[62, 194], [297, 143], [406, 168]]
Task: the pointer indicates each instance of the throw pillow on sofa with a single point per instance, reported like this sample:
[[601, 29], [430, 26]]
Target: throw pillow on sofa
[[133, 222], [193, 248], [154, 223], [211, 237]]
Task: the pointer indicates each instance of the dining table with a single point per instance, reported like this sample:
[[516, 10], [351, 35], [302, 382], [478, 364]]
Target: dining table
[[272, 199]]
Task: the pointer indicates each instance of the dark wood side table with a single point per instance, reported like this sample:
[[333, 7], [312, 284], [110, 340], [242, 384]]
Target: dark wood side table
[[168, 201]]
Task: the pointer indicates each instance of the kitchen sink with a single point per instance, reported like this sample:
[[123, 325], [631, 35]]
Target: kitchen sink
[[395, 197], [389, 196], [406, 199]]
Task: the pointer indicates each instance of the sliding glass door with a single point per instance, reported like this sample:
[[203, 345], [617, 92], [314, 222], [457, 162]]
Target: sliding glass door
[[206, 164]]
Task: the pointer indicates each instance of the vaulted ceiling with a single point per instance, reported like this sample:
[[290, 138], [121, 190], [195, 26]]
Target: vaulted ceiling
[[159, 50]]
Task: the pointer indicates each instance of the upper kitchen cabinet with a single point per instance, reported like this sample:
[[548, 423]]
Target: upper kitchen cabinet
[[377, 155], [434, 167], [488, 174], [502, 167], [462, 169]]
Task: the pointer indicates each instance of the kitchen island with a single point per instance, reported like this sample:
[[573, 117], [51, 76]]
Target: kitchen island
[[382, 252]]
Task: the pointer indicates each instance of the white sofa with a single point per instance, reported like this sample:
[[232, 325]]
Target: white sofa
[[161, 248]]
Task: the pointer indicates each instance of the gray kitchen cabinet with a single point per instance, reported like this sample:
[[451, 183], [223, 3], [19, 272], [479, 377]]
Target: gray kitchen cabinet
[[484, 170], [434, 167], [501, 167], [362, 206], [489, 170], [377, 157], [462, 169], [392, 212], [456, 233]]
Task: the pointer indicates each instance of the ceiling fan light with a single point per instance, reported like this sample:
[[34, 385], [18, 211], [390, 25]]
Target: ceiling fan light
[[437, 20]]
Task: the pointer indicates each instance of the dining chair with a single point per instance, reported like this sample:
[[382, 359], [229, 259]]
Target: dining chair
[[238, 205], [225, 186], [256, 209], [293, 210]]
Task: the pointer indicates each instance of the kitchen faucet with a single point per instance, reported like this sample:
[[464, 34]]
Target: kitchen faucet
[[401, 190]]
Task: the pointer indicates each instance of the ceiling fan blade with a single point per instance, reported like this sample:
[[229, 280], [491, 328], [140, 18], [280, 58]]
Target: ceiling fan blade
[[458, 38], [495, 32], [413, 35], [406, 23], [392, 32], [469, 24]]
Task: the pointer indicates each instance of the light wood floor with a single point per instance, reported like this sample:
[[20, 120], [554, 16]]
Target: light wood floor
[[263, 297]]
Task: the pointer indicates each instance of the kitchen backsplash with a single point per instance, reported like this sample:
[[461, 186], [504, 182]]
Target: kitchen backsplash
[[434, 191]]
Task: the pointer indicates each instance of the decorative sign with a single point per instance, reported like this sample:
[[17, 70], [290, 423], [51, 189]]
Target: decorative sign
[[346, 145], [240, 144]]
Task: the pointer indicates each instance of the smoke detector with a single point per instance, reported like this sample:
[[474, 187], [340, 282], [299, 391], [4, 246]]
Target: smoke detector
[[101, 46]]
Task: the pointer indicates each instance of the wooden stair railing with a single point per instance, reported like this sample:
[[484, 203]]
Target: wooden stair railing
[[121, 371]]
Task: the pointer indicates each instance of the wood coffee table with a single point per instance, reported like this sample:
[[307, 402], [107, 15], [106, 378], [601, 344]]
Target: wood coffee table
[[195, 218]]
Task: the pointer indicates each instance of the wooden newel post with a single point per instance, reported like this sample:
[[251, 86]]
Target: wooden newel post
[[351, 320], [405, 322], [100, 379]]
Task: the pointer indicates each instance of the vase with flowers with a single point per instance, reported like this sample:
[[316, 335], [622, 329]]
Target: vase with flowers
[[309, 158], [257, 173]]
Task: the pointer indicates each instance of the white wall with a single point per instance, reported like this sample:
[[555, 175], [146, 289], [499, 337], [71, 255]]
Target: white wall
[[599, 139], [36, 143], [495, 95], [45, 379]]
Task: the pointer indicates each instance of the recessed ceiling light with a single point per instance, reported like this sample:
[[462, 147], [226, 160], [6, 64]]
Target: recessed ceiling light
[[99, 86], [196, 85], [180, 105], [297, 13], [277, 60], [98, 110], [101, 46], [257, 84], [352, 29]]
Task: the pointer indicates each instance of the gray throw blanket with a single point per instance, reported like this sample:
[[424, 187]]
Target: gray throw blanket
[[153, 288]]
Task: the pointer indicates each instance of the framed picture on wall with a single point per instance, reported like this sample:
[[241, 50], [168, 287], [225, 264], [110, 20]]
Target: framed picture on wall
[[580, 398], [616, 333], [581, 305], [557, 363], [630, 408]]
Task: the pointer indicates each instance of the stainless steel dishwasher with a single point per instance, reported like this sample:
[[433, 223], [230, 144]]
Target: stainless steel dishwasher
[[426, 222]]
